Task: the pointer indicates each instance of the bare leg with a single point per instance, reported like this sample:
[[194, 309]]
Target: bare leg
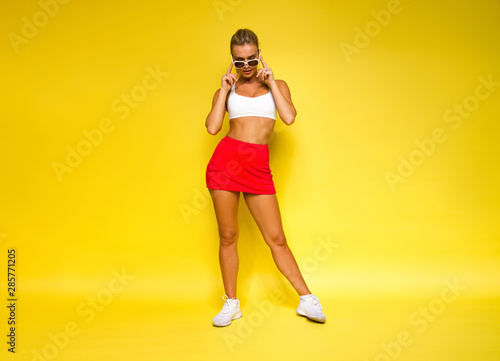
[[265, 210], [226, 211]]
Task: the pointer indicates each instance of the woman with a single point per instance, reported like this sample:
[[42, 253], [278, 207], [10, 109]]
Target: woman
[[240, 163]]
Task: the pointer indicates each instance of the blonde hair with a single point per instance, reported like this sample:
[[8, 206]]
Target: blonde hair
[[244, 36]]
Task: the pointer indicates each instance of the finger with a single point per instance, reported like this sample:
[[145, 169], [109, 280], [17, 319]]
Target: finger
[[230, 78], [263, 62], [230, 68]]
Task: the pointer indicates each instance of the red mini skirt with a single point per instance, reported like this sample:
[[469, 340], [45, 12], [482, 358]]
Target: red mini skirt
[[240, 166]]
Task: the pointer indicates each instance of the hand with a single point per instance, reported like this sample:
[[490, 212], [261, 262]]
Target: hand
[[228, 79], [267, 73]]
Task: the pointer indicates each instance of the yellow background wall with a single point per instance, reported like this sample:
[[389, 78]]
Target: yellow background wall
[[137, 80]]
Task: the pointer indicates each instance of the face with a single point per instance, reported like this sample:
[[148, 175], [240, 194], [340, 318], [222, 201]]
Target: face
[[246, 52]]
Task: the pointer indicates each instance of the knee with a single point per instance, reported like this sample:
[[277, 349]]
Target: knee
[[277, 240], [228, 237]]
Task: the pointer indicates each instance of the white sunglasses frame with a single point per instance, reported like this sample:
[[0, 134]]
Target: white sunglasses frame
[[245, 63]]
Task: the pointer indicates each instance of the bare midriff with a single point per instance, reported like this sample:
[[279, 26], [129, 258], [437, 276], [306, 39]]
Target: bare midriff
[[251, 129]]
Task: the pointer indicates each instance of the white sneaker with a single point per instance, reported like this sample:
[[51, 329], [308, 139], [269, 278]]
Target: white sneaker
[[230, 311], [310, 307]]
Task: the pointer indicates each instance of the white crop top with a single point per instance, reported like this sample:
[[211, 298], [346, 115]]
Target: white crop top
[[240, 106]]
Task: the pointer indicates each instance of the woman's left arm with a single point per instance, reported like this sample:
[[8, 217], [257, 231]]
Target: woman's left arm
[[281, 94]]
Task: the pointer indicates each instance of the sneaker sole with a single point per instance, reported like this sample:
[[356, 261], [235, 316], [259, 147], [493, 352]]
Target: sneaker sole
[[302, 312], [235, 317]]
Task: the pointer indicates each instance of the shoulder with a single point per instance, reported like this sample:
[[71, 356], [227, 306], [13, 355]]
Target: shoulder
[[217, 92], [219, 89], [282, 85]]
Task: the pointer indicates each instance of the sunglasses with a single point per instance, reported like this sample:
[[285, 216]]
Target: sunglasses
[[239, 64]]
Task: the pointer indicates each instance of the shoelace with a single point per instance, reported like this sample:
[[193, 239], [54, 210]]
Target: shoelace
[[314, 300], [227, 300]]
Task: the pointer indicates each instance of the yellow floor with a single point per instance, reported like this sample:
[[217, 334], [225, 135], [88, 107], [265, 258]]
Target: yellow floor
[[387, 180], [372, 326]]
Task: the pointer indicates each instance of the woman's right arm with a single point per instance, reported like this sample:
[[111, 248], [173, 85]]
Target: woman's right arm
[[216, 115]]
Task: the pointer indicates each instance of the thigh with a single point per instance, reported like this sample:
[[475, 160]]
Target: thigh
[[226, 209], [265, 210]]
